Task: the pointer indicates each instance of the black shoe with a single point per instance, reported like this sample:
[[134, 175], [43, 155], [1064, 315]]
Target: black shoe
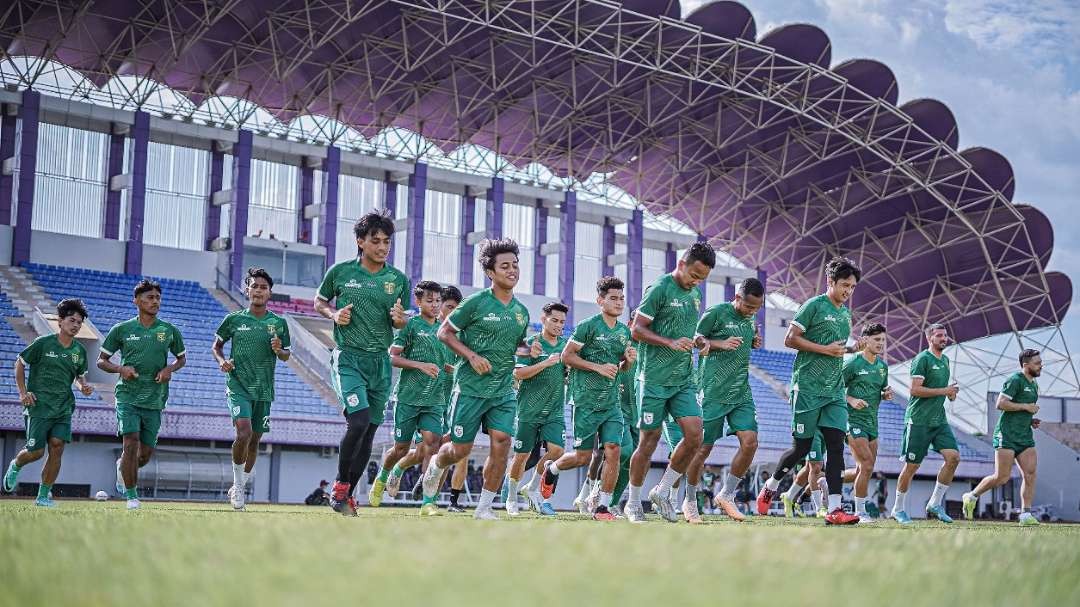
[[418, 490], [455, 508]]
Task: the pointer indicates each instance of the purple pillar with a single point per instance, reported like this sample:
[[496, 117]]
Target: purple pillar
[[241, 187], [705, 285], [634, 258], [7, 150], [24, 210], [729, 290], [539, 286], [328, 220], [567, 251], [307, 198], [140, 151], [762, 276], [496, 196], [213, 211], [112, 197], [607, 248], [414, 237], [468, 224], [390, 194], [669, 258]]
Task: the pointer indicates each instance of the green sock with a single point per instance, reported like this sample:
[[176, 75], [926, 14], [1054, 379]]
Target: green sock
[[131, 493], [14, 467], [429, 500], [383, 473], [396, 471], [43, 491]]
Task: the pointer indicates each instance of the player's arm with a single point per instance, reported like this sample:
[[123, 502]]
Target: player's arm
[[1005, 400], [218, 350], [643, 333], [281, 344], [795, 340], [523, 372], [918, 390], [448, 334], [571, 358], [398, 359], [26, 398]]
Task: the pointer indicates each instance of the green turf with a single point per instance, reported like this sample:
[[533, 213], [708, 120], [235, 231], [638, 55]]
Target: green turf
[[87, 553]]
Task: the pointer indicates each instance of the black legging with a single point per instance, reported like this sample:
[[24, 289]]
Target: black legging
[[834, 458], [355, 450]]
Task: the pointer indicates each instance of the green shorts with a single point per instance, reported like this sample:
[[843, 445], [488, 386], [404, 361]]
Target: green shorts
[[857, 430], [607, 424], [918, 439], [1016, 446], [468, 413], [627, 446], [412, 419], [131, 419], [258, 411], [361, 380], [657, 402], [550, 428], [40, 429], [819, 411], [735, 418], [817, 449]]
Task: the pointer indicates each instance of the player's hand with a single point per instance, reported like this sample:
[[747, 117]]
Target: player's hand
[[430, 369], [397, 313], [86, 389], [275, 344], [1033, 408], [731, 343], [128, 373], [756, 344], [952, 391], [836, 349], [608, 370], [857, 403], [683, 344], [630, 354], [342, 316], [887, 393], [163, 376], [27, 399], [1035, 422], [226, 365], [703, 345], [553, 360], [479, 364], [536, 349]]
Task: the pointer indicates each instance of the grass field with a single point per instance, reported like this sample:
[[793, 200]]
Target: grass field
[[88, 553]]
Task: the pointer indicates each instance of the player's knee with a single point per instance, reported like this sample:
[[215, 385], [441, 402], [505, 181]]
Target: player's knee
[[952, 459], [749, 443]]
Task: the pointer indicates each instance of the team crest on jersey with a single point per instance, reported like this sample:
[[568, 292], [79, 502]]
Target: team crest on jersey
[[235, 410], [799, 428], [647, 417], [397, 432], [577, 441], [812, 455], [520, 318], [75, 358], [911, 456], [30, 442], [855, 430], [517, 443], [459, 431], [161, 337], [388, 286], [271, 329], [353, 400]]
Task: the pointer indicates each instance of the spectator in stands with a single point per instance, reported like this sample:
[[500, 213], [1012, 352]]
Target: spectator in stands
[[55, 362], [882, 490], [319, 497]]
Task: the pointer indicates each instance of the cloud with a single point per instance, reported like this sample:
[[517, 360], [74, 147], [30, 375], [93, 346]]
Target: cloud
[[1042, 26]]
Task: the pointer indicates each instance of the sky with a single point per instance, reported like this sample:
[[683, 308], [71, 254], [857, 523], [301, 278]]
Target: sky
[[1009, 71]]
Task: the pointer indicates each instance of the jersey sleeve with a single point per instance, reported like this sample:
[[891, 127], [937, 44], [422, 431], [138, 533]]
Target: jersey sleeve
[[653, 302], [805, 316], [112, 341], [885, 379], [286, 337], [1011, 389], [403, 337], [177, 346], [32, 353], [849, 369], [918, 367], [326, 288], [405, 290], [225, 329], [524, 329], [463, 315], [582, 334], [707, 324], [82, 367]]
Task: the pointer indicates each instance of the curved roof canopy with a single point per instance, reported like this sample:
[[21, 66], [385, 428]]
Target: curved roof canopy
[[758, 145]]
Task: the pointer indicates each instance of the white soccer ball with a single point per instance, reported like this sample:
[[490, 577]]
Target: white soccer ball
[[101, 496]]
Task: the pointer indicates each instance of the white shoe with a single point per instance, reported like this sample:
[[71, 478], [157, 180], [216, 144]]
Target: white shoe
[[393, 485], [536, 500], [430, 481], [582, 508], [592, 502], [236, 498], [512, 507], [661, 504], [485, 514], [133, 504], [634, 513], [866, 519]]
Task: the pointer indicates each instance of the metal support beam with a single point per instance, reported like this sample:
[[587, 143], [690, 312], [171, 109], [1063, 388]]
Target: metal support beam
[[7, 150], [414, 238], [390, 194], [307, 198], [29, 115], [329, 219], [540, 230], [140, 153], [634, 250], [241, 186], [567, 250], [213, 211], [113, 196], [465, 250], [607, 248]]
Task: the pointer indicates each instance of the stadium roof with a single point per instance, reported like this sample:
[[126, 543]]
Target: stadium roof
[[755, 142]]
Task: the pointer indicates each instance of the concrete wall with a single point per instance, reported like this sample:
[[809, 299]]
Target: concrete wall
[[6, 235], [77, 251], [182, 264]]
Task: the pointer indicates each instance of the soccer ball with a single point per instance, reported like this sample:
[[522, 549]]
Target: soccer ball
[[101, 496]]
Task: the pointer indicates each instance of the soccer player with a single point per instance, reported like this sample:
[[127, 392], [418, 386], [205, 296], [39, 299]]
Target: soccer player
[[866, 378], [597, 351], [665, 324], [926, 427], [726, 401], [367, 293], [144, 344], [541, 399], [819, 331], [55, 362], [451, 298], [1013, 440], [808, 475], [485, 331], [420, 355], [259, 339]]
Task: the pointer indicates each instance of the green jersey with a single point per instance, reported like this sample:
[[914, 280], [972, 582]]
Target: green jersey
[[602, 345], [673, 313], [544, 392], [1015, 426], [822, 323], [52, 370], [627, 398], [494, 331], [865, 380], [934, 372], [419, 342], [371, 296], [147, 350], [724, 374], [253, 359]]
